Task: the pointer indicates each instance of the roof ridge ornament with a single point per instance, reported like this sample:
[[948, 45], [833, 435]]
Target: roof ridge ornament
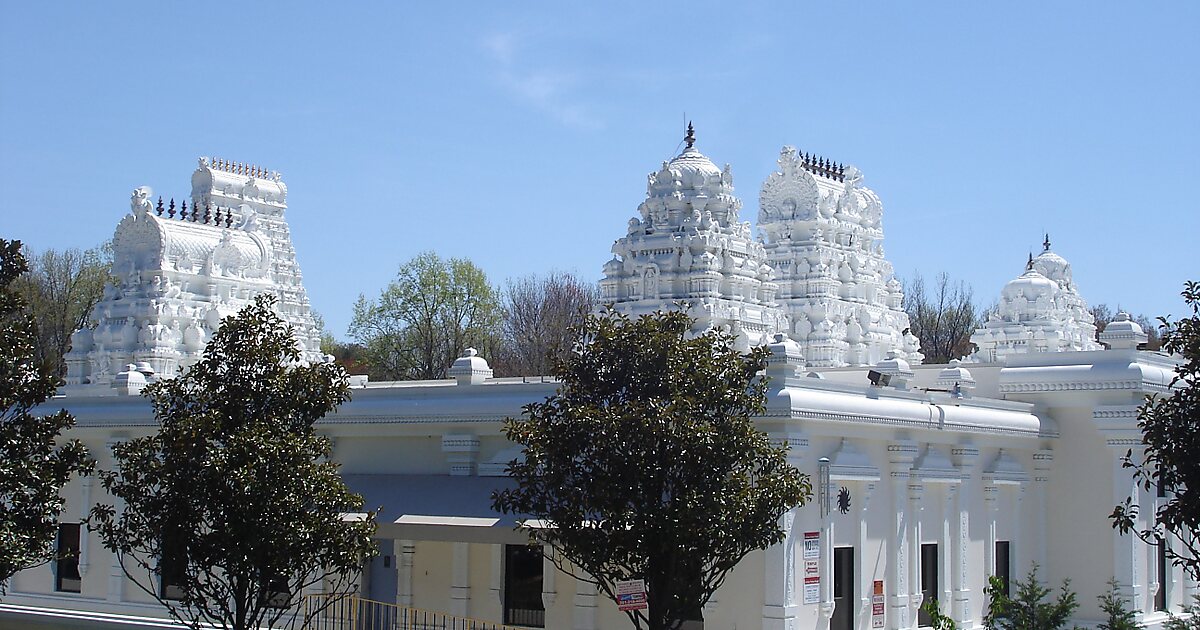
[[1046, 243], [1029, 265], [690, 138]]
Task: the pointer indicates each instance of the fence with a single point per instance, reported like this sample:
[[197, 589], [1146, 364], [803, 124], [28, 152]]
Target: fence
[[356, 613]]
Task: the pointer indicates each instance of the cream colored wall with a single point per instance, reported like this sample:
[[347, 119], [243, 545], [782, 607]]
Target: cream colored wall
[[432, 565]]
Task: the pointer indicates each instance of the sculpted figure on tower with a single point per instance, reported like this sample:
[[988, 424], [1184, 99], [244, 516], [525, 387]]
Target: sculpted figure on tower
[[822, 232]]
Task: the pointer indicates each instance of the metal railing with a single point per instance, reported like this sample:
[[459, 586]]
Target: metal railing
[[357, 613]]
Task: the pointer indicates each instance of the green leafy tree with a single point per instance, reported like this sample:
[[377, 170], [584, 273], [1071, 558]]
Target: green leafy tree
[[233, 507], [1028, 609], [1189, 620], [937, 620], [1170, 428], [426, 317], [648, 465], [1117, 614], [60, 290], [33, 467]]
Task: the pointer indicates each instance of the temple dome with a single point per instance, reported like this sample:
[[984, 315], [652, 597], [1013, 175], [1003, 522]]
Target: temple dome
[[692, 161], [1030, 285]]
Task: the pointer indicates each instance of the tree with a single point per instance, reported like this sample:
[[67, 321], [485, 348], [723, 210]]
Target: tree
[[60, 290], [648, 464], [233, 508], [944, 319], [937, 619], [33, 469], [538, 316], [1028, 609], [1117, 613], [426, 317], [1170, 427], [1103, 315]]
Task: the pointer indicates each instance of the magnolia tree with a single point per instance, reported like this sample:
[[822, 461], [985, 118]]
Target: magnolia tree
[[33, 465], [232, 509], [647, 464]]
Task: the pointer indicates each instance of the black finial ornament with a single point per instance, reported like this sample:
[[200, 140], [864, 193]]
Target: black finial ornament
[[228, 217], [1029, 265], [1046, 243], [159, 208], [171, 209], [690, 138], [207, 213]]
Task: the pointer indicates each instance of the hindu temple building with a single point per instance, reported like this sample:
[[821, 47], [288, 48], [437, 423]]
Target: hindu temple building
[[823, 233], [1039, 311], [687, 245], [180, 269], [944, 475]]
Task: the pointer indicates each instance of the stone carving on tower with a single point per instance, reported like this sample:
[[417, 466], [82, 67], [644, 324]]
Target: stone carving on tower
[[823, 233], [687, 246], [1040, 311], [179, 272]]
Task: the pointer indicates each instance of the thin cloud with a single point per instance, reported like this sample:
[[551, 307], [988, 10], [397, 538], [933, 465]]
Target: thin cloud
[[545, 90]]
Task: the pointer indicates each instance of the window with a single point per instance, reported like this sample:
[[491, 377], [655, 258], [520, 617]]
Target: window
[[523, 586], [843, 589], [277, 593], [1160, 598], [67, 579], [1002, 565], [172, 568], [929, 579]]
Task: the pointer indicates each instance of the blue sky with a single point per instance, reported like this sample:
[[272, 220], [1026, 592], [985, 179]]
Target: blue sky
[[520, 134]]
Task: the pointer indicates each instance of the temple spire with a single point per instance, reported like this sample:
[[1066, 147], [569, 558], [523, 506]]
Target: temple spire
[[690, 138], [1046, 243], [1029, 265]]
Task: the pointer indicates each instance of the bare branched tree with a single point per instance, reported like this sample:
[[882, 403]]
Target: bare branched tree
[[539, 313], [942, 318]]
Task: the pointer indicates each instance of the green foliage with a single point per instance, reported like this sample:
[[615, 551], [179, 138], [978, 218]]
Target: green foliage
[[236, 485], [1170, 428], [1117, 613], [32, 468], [1028, 608], [648, 463], [1190, 620], [60, 290], [937, 620], [426, 317]]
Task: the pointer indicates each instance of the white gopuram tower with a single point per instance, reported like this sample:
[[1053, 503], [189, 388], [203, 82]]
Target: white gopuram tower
[[823, 234], [180, 270], [689, 247], [1039, 311]]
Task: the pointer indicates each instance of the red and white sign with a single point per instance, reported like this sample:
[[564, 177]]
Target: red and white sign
[[631, 595], [877, 615]]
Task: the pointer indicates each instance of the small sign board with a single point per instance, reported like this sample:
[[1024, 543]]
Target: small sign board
[[812, 590], [812, 545], [877, 615], [631, 595]]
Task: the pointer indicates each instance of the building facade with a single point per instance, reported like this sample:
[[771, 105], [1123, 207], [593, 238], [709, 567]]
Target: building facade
[[939, 475]]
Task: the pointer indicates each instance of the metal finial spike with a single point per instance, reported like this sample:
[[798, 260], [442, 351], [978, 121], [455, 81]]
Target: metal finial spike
[[690, 138], [1029, 265], [159, 209], [207, 213], [171, 209], [1046, 243]]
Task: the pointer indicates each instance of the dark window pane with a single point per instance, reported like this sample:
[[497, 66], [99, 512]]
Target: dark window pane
[[67, 577], [523, 586], [843, 589], [172, 567], [1160, 598], [929, 579], [1002, 565]]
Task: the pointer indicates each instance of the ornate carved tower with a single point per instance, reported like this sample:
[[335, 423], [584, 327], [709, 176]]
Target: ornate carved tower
[[688, 246], [823, 234]]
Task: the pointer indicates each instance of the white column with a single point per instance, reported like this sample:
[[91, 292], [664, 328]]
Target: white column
[[916, 495], [1021, 558], [116, 576], [496, 576], [1127, 549], [965, 458], [549, 578], [404, 572], [827, 603], [460, 579], [991, 502], [85, 503], [779, 603], [866, 571], [901, 454], [586, 596], [947, 551], [1043, 461]]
